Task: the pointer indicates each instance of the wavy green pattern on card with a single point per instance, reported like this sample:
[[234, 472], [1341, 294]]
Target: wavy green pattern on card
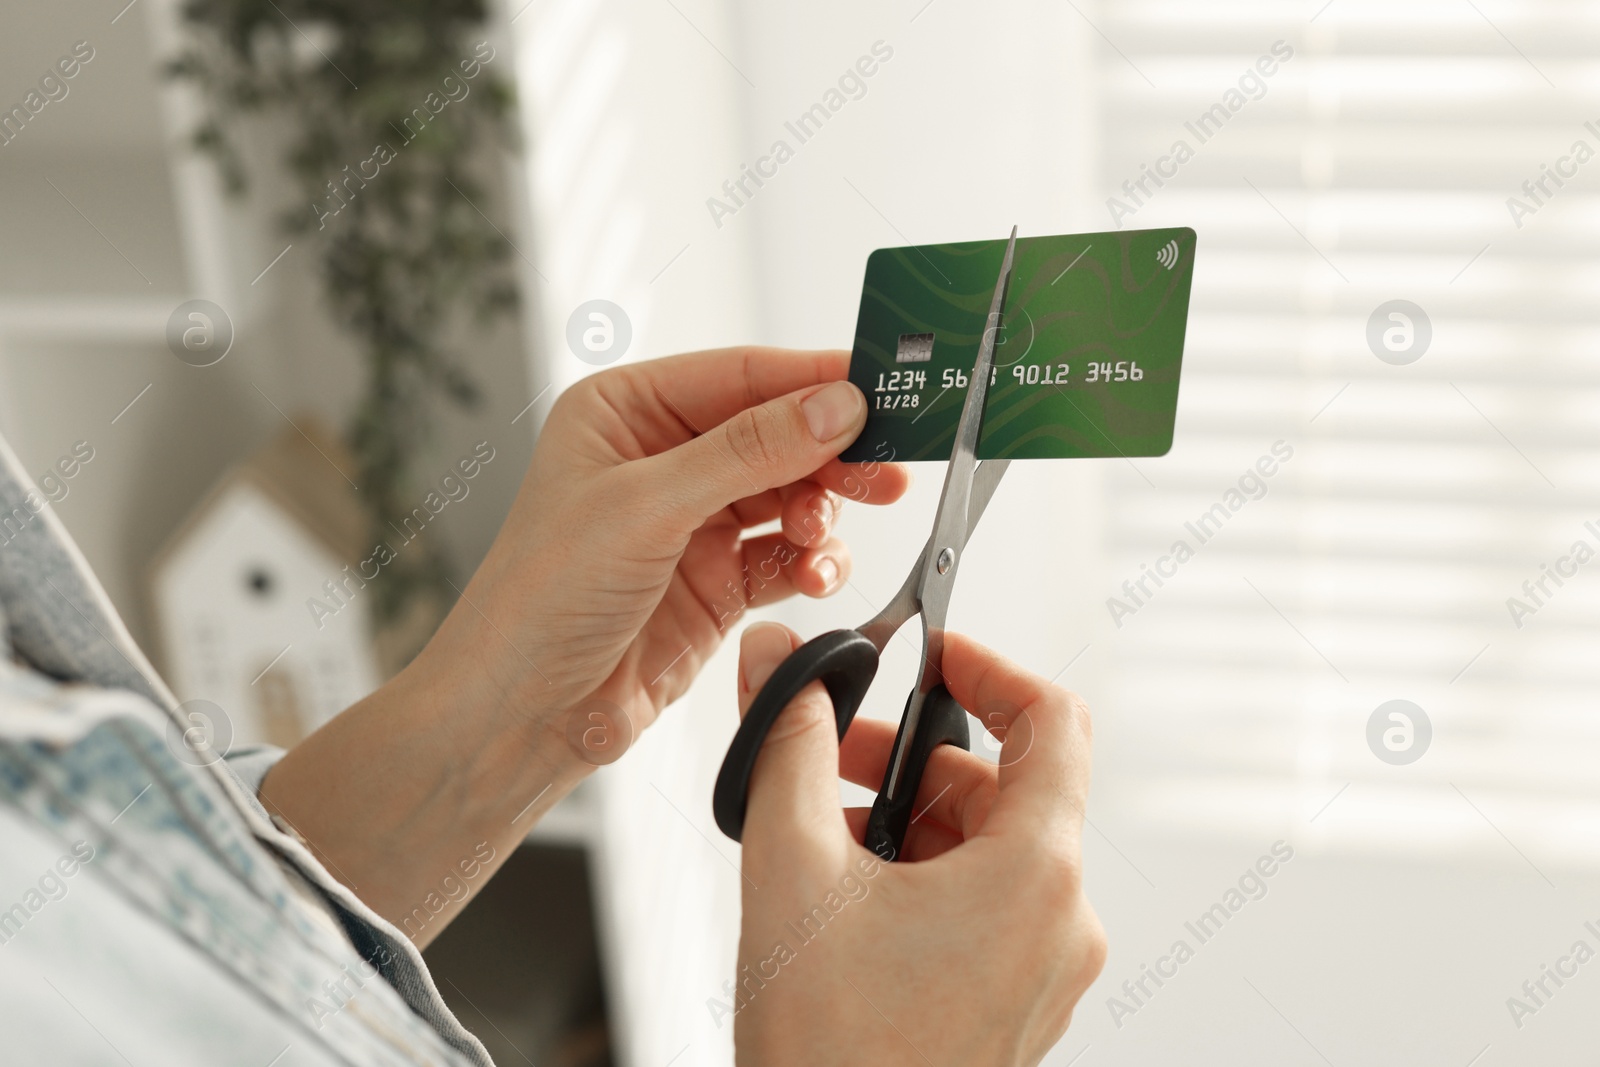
[[1088, 360]]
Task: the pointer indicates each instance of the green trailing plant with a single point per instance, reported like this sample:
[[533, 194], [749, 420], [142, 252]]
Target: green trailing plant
[[382, 108]]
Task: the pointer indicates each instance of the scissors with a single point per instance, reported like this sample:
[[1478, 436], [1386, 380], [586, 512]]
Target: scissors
[[845, 661]]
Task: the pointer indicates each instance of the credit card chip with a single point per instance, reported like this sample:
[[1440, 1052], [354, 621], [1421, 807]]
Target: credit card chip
[[914, 348]]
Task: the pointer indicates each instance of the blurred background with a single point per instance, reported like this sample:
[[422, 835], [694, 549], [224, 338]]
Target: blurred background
[[1442, 462]]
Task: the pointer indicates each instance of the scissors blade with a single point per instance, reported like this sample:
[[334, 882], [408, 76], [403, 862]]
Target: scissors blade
[[952, 525], [985, 480], [882, 626]]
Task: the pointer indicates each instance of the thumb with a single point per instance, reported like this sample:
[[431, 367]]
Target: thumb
[[760, 448], [794, 792]]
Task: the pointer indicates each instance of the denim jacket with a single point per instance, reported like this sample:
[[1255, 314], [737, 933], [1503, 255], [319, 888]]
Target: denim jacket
[[150, 910]]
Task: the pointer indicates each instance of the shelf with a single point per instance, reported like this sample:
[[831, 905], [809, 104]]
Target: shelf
[[141, 319]]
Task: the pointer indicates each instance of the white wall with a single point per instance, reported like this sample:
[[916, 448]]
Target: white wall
[[632, 116]]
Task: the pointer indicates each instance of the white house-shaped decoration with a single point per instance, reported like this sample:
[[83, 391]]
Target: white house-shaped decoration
[[230, 589]]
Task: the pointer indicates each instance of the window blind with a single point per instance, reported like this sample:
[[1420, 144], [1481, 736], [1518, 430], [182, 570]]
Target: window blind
[[1441, 153]]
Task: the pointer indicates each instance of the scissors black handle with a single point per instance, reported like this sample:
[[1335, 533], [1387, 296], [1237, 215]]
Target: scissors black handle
[[943, 722], [843, 660]]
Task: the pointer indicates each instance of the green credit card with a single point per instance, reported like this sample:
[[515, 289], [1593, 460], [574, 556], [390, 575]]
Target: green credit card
[[1085, 365]]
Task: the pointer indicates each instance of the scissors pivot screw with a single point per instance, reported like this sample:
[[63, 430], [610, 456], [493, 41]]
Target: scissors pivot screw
[[946, 559]]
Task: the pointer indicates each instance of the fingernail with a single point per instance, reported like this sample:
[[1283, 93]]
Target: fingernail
[[832, 410], [763, 647], [828, 571]]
